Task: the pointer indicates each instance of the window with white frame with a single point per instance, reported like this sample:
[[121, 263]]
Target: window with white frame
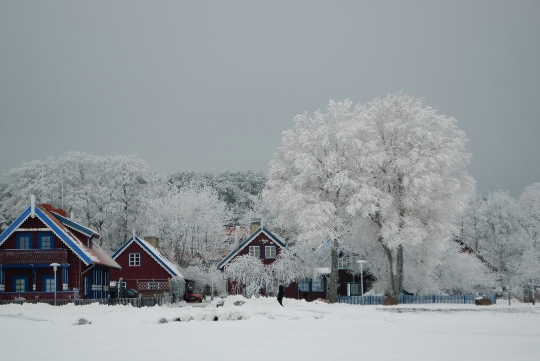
[[317, 285], [134, 259], [343, 263], [269, 252], [255, 251], [356, 289]]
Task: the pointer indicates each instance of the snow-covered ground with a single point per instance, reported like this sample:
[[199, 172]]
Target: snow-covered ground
[[261, 329]]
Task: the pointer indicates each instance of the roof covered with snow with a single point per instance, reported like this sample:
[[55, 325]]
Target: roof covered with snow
[[157, 254]]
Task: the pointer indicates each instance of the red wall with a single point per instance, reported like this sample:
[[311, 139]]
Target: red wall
[[149, 269], [261, 240]]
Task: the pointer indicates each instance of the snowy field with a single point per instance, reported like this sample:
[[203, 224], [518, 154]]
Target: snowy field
[[260, 329]]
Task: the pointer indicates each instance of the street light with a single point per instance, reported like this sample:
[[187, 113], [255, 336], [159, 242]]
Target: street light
[[361, 263], [55, 266]]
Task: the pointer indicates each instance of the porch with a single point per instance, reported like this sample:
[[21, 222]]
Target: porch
[[32, 256]]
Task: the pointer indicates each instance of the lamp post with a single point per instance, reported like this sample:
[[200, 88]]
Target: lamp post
[[55, 266], [361, 263]]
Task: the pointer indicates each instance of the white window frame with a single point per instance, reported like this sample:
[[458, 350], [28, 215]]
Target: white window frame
[[356, 289], [343, 263], [255, 251], [270, 252], [134, 259]]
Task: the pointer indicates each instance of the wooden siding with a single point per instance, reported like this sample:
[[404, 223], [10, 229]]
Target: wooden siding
[[148, 270]]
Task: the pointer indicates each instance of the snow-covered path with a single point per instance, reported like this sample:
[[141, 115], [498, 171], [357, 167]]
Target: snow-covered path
[[266, 331]]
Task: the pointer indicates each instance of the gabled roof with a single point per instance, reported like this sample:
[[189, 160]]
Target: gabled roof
[[156, 254], [76, 226], [94, 255], [248, 240]]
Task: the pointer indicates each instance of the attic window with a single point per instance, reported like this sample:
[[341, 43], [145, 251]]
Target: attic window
[[134, 259], [255, 251], [343, 263], [269, 252]]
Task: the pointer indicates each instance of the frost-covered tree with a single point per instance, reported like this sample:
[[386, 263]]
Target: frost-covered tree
[[413, 178], [313, 175], [189, 221], [104, 193], [393, 161], [239, 190], [248, 275]]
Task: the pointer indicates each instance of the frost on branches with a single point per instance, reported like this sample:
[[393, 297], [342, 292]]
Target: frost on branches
[[394, 162]]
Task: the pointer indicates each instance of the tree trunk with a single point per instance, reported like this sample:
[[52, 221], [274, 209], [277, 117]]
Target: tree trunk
[[398, 286], [388, 252], [333, 279]]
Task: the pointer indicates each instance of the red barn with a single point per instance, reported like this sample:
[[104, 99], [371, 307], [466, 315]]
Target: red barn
[[41, 236], [145, 267], [263, 245]]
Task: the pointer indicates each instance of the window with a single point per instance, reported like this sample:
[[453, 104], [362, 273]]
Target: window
[[269, 252], [303, 285], [255, 251], [45, 241], [134, 259], [20, 284], [48, 284], [24, 241], [317, 285], [343, 263], [356, 289]]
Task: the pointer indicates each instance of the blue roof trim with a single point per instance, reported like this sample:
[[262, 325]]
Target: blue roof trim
[[121, 249], [156, 257], [68, 222], [15, 225], [74, 247], [248, 240]]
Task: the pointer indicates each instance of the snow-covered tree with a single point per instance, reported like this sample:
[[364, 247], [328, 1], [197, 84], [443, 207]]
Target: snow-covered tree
[[189, 221], [413, 178], [313, 175], [248, 275], [393, 161], [104, 193]]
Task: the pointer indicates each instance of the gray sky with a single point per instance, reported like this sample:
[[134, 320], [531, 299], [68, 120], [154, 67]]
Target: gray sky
[[210, 86]]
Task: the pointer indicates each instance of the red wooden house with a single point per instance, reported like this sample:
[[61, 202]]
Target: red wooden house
[[262, 244], [41, 236], [145, 267]]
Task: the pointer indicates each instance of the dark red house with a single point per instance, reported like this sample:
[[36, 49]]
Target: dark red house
[[262, 244], [41, 236], [145, 267]]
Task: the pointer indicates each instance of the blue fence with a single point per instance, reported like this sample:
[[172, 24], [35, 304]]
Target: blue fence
[[403, 299]]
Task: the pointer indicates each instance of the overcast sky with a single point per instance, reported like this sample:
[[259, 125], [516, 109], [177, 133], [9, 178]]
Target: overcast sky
[[210, 86]]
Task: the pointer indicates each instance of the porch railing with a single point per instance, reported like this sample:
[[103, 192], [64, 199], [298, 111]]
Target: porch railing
[[153, 285], [33, 256]]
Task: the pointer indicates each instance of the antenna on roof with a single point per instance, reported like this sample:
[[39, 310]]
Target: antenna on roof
[[42, 192], [133, 233], [62, 193], [32, 206], [237, 236]]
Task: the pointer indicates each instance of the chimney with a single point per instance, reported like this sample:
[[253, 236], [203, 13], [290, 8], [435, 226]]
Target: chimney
[[154, 241], [255, 224]]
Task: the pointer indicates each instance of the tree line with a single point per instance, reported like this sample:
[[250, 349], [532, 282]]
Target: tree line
[[383, 181]]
